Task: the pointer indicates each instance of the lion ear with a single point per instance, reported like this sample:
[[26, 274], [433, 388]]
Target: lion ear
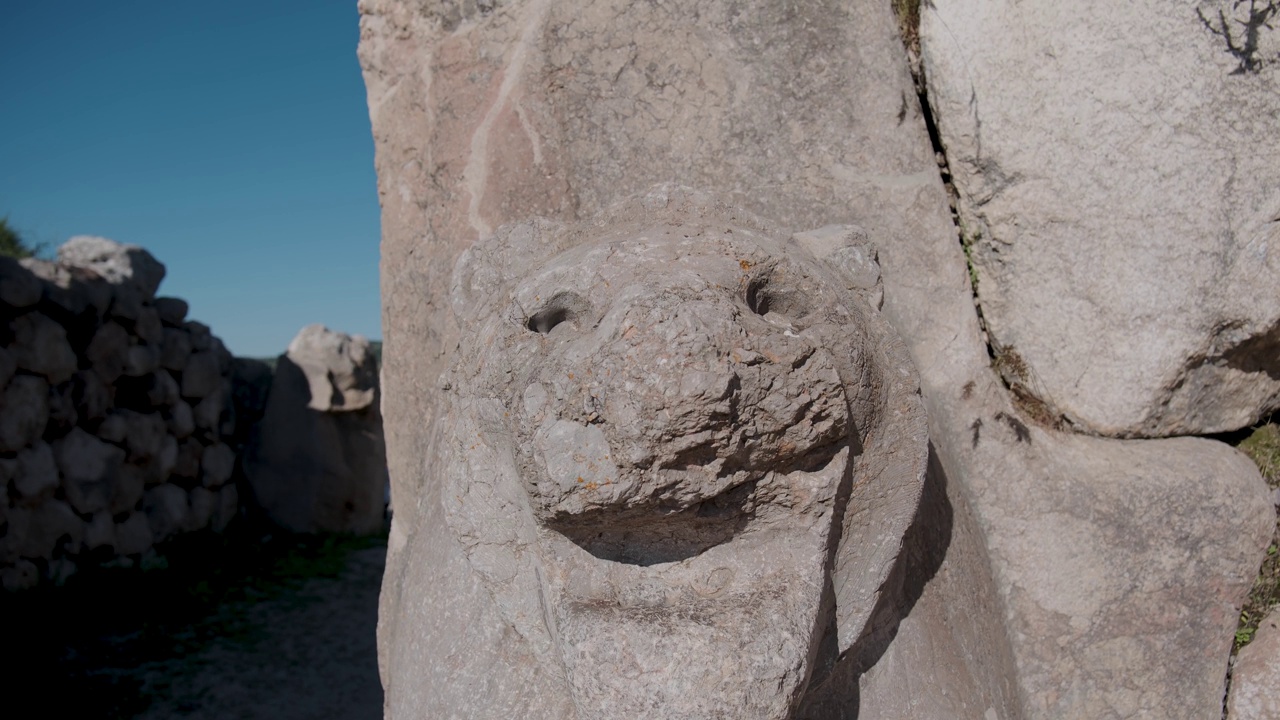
[[849, 255], [489, 269]]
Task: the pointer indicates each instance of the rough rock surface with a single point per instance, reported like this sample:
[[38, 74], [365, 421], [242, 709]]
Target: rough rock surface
[[1118, 173], [116, 263], [650, 468], [341, 370], [1256, 677], [494, 113], [313, 470]]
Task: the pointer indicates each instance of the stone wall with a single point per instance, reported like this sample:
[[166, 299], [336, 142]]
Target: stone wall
[[116, 416]]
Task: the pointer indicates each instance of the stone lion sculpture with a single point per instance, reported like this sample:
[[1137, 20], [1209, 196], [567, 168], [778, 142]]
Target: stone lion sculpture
[[675, 460]]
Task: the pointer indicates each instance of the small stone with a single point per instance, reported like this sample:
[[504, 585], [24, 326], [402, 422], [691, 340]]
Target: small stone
[[113, 429], [201, 337], [130, 485], [24, 411], [145, 434], [208, 411], [172, 310], [93, 397]]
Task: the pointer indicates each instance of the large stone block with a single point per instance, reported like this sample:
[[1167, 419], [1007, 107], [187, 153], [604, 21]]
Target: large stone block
[[118, 264], [315, 471], [1117, 171], [341, 370]]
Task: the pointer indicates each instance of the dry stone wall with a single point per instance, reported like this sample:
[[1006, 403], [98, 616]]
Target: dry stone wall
[[116, 416]]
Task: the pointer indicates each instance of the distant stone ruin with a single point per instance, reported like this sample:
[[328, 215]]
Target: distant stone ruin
[[116, 413]]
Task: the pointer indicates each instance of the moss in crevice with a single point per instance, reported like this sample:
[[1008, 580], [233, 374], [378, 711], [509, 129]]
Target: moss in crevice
[[1262, 445]]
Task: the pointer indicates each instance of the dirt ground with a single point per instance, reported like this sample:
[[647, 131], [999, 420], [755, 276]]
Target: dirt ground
[[290, 638]]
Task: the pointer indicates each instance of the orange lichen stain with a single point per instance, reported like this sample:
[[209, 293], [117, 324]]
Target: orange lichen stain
[[591, 486], [570, 376], [745, 265], [630, 333], [580, 480]]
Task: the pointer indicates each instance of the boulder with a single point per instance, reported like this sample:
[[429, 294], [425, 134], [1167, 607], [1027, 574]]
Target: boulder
[[172, 310], [24, 411], [89, 468], [19, 287], [108, 351], [175, 350], [167, 509], [1107, 295], [217, 465], [38, 531], [202, 376], [181, 420], [1257, 675], [118, 264], [37, 473], [315, 471], [340, 369], [40, 346], [148, 326]]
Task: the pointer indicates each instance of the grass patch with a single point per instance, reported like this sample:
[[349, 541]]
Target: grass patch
[[1263, 446], [907, 13], [104, 626]]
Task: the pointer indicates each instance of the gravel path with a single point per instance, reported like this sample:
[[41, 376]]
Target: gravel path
[[306, 654]]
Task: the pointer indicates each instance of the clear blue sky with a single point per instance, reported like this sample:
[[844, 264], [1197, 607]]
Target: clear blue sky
[[229, 138]]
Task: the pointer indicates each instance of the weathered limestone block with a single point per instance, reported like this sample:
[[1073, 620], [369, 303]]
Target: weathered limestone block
[[19, 287], [340, 369], [24, 411], [40, 346], [313, 470], [172, 310], [1256, 676], [118, 264], [70, 293], [89, 468], [646, 473], [1077, 146]]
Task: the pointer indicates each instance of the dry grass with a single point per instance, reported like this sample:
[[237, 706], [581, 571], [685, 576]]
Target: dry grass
[[908, 14], [1263, 446]]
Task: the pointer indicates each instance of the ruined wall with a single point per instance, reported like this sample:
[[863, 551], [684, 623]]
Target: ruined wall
[[117, 428]]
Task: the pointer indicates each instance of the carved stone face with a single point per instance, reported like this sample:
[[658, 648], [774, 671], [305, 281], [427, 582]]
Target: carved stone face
[[654, 438]]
